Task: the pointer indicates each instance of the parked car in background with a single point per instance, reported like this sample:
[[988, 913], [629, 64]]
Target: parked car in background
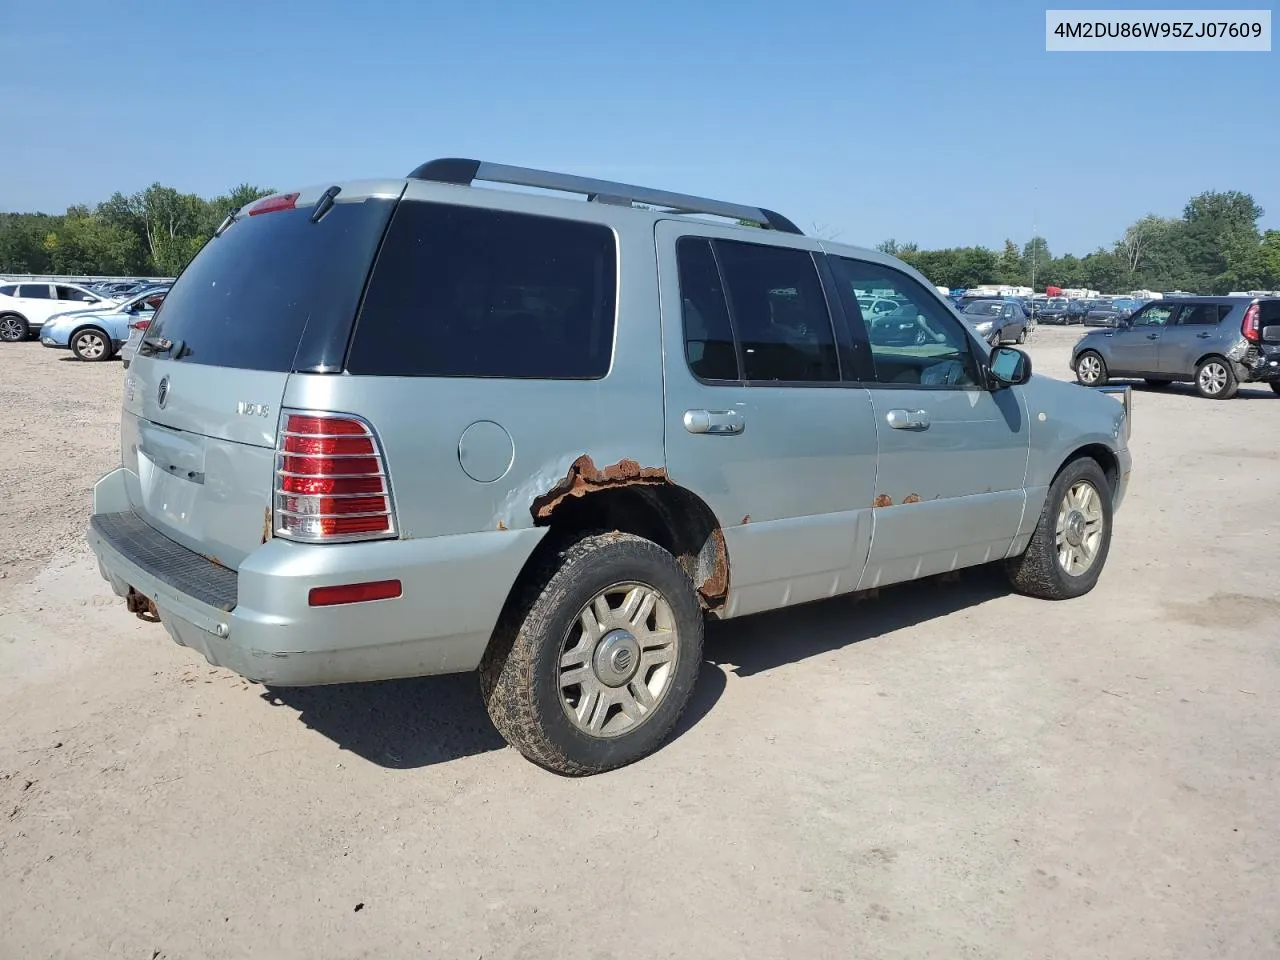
[[1217, 343], [1053, 311], [1102, 313], [1076, 311], [997, 321], [99, 334], [24, 307], [284, 508]]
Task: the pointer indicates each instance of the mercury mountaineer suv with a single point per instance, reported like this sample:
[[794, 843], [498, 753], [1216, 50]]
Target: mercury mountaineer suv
[[394, 428]]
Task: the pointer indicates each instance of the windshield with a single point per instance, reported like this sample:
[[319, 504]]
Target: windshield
[[986, 308]]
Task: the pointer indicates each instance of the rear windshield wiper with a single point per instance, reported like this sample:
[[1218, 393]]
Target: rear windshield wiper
[[159, 347]]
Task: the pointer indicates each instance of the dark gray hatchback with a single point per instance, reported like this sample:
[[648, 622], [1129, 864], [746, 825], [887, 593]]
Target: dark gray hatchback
[[1217, 343]]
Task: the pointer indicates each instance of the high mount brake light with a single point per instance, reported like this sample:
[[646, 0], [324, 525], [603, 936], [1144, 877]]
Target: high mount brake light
[[283, 201], [331, 481]]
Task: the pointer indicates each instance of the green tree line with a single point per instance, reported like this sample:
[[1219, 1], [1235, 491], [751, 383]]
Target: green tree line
[[154, 232], [1213, 248]]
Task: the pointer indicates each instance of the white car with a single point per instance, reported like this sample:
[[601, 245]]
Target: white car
[[24, 307]]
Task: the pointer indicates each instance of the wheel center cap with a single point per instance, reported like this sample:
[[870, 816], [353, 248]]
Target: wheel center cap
[[1075, 528], [617, 658]]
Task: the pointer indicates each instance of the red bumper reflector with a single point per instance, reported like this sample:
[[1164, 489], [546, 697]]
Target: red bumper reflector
[[354, 593]]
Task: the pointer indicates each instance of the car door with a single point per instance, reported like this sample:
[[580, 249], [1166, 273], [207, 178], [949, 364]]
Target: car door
[[37, 303], [952, 454], [759, 422], [1134, 348], [1188, 336]]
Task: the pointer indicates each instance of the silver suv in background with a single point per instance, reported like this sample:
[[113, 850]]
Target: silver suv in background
[[403, 427], [1217, 343]]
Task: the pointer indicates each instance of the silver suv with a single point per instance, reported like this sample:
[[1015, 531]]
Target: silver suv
[[1217, 343], [406, 427]]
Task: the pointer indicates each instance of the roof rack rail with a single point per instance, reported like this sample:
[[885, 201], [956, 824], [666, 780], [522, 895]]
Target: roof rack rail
[[465, 172]]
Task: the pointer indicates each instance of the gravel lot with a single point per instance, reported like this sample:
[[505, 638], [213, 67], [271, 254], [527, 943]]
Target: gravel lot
[[948, 771]]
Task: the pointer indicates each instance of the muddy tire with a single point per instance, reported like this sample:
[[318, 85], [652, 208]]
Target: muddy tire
[[595, 658], [1069, 546], [1091, 369], [1215, 380], [13, 328]]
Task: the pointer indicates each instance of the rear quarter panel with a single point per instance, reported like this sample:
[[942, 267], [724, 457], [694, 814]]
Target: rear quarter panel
[[550, 423]]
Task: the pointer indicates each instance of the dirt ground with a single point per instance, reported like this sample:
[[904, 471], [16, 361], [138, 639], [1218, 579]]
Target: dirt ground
[[950, 771]]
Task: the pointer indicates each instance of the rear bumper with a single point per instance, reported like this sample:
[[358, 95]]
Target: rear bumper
[[257, 621], [1264, 367]]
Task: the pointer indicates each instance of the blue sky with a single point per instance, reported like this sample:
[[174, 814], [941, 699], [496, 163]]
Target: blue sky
[[874, 119]]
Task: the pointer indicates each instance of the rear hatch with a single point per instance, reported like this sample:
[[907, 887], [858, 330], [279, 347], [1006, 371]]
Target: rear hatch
[[275, 292]]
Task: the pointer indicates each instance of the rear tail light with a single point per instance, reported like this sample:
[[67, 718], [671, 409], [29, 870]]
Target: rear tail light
[[331, 480], [140, 325], [1249, 327]]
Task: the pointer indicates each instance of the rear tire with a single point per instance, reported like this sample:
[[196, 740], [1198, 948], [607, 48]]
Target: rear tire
[[13, 328], [1072, 538], [619, 614], [1091, 369], [1215, 380], [91, 345]]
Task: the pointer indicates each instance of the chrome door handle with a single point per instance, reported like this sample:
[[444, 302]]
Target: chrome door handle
[[1204, 336], [1153, 336], [719, 422], [908, 419]]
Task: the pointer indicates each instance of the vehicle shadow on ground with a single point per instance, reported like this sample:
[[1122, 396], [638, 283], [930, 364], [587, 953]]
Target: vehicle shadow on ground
[[762, 642], [407, 724]]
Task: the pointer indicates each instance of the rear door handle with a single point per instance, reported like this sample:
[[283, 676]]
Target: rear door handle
[[908, 419], [1204, 336], [720, 422], [1153, 336]]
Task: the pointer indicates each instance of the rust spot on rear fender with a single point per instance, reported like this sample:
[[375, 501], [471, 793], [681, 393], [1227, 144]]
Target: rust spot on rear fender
[[912, 498], [266, 524], [713, 589], [883, 500], [584, 477]]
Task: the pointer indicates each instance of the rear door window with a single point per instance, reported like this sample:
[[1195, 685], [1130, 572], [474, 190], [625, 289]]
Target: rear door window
[[34, 291], [779, 313], [708, 334], [249, 295], [471, 292], [1202, 314]]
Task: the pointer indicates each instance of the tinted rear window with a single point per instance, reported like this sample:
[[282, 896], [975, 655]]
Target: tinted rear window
[[249, 295], [470, 292]]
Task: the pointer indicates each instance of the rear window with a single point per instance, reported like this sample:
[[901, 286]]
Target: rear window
[[471, 292], [249, 295]]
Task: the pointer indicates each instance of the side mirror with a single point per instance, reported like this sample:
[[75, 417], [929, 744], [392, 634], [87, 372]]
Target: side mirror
[[1271, 334], [87, 299], [1008, 367]]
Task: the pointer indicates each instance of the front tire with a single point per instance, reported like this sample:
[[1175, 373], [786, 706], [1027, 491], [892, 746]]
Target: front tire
[[14, 328], [1069, 546], [593, 663], [92, 345], [1215, 380], [1091, 369]]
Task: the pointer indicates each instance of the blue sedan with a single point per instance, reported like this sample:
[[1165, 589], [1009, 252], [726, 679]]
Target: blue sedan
[[98, 334]]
